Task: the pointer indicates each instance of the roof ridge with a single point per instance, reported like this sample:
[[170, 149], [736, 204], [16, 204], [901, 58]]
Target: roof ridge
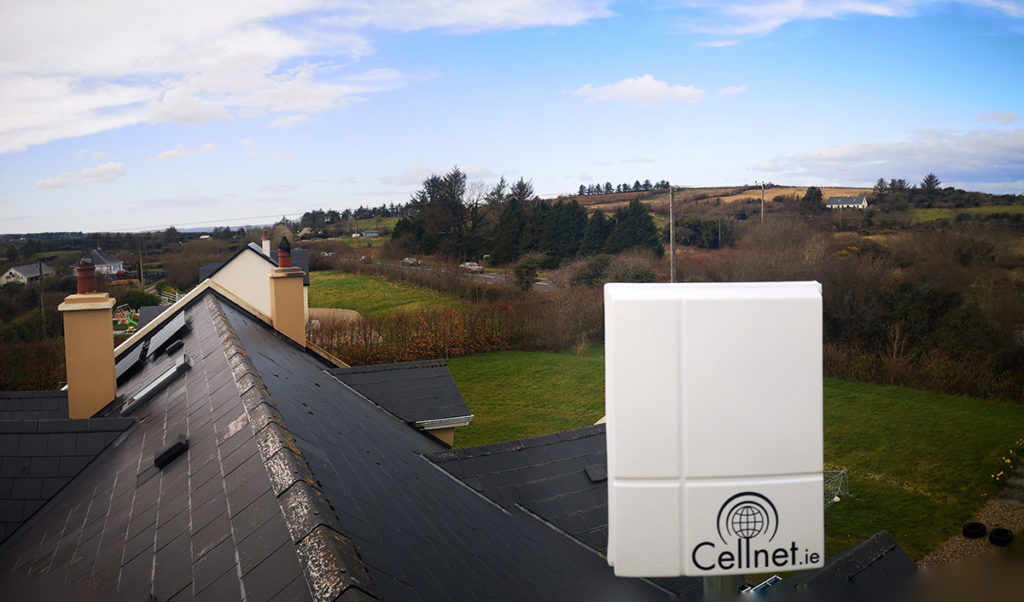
[[330, 563]]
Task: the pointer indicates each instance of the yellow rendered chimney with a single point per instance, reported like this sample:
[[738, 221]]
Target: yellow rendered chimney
[[287, 305], [88, 346]]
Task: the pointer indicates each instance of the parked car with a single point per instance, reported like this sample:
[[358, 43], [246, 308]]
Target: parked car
[[472, 267], [365, 259], [410, 261]]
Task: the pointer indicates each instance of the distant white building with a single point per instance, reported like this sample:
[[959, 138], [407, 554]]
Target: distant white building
[[23, 274], [847, 202], [105, 264]]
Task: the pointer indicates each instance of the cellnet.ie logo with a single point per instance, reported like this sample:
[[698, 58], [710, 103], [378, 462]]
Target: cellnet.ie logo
[[747, 525]]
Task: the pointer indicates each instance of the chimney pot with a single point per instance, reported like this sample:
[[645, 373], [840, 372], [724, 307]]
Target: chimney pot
[[86, 276], [284, 253]]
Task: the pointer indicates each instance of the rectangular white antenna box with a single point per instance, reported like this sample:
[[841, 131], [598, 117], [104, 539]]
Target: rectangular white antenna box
[[713, 396]]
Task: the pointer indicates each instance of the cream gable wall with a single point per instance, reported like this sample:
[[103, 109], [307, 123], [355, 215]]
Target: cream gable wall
[[246, 276]]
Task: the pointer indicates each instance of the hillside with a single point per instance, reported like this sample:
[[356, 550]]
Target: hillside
[[657, 200]]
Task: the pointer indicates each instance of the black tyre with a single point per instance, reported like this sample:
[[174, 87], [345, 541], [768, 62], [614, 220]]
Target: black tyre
[[1000, 536], [974, 530]]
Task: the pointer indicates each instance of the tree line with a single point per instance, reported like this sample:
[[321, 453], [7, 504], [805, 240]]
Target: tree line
[[607, 188], [509, 221]]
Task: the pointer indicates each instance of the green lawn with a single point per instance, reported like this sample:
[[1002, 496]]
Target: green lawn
[[371, 295], [919, 463], [516, 394]]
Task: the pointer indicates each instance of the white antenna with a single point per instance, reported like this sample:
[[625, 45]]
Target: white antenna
[[714, 427]]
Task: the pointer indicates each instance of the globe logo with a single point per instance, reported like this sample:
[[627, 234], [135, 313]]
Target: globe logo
[[747, 515], [747, 520]]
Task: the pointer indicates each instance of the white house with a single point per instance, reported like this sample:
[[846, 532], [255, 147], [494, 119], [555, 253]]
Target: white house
[[847, 202], [23, 274], [105, 264]]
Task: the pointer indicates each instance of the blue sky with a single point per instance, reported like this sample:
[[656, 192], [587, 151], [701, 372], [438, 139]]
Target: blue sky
[[138, 115]]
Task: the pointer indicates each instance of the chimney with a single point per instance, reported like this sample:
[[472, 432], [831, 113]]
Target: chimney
[[88, 345], [266, 243], [287, 301]]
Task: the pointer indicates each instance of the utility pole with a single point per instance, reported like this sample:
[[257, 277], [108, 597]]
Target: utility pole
[[42, 306], [142, 279], [671, 235], [762, 202]]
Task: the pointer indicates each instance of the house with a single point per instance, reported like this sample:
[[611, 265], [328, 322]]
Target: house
[[847, 202], [215, 455], [23, 274], [244, 273], [228, 463], [105, 263]]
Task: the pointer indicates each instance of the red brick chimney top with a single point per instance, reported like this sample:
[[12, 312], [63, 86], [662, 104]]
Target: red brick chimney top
[[86, 276], [284, 253]]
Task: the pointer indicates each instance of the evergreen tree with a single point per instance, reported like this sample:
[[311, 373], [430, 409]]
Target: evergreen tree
[[634, 227], [509, 231], [563, 230], [595, 235]]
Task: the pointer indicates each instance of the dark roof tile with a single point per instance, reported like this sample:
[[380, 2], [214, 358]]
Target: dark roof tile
[[412, 391], [33, 405]]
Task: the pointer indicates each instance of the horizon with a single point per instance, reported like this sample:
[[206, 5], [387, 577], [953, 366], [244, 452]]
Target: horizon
[[197, 114]]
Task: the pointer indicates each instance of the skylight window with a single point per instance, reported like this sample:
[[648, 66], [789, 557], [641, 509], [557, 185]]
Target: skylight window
[[160, 383], [167, 334]]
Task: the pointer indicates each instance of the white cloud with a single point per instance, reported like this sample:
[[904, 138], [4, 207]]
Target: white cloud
[[181, 151], [730, 90], [642, 89], [183, 106], [638, 160], [248, 143], [974, 156], [90, 175], [99, 155], [755, 18], [277, 188], [466, 15], [288, 121], [191, 61], [1003, 118]]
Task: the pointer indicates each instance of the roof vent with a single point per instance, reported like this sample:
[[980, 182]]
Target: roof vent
[[146, 393], [171, 451], [597, 472]]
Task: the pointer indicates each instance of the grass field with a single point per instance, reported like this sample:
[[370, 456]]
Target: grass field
[[371, 295], [919, 463], [515, 394], [929, 215]]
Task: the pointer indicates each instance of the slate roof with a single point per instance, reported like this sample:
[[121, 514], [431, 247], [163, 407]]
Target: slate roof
[[561, 477], [293, 486], [99, 258], [416, 392], [875, 569], [39, 456], [32, 270], [837, 201], [33, 405], [148, 313]]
